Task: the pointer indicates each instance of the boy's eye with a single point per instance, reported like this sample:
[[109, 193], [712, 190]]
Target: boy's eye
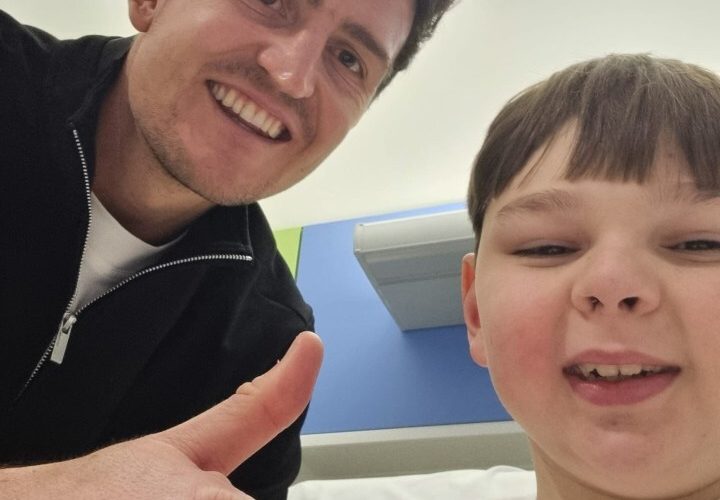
[[544, 251], [697, 246]]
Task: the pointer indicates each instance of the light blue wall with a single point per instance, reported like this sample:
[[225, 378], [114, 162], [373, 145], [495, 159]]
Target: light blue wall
[[375, 376]]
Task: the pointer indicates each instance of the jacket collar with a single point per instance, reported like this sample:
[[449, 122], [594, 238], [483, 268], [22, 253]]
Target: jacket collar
[[110, 63]]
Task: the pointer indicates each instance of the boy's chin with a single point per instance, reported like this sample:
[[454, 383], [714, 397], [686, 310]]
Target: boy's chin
[[619, 468]]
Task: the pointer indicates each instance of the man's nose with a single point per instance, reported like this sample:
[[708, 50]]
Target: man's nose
[[616, 282], [292, 61]]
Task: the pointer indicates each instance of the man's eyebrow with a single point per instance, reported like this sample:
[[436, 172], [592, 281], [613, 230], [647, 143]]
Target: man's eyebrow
[[551, 200], [362, 35]]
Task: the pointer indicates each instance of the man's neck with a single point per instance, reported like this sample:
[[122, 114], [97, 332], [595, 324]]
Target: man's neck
[[129, 180]]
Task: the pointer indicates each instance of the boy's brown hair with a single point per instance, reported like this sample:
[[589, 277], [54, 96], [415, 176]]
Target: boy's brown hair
[[622, 106]]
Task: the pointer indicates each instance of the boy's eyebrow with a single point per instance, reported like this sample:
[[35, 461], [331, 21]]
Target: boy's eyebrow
[[542, 201], [558, 200], [686, 192]]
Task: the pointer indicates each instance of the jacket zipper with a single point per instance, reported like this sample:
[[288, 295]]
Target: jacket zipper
[[57, 347]]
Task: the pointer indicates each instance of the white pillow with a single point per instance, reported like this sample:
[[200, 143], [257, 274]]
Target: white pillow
[[497, 483]]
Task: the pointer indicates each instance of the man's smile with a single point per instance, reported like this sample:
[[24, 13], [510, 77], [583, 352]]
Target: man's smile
[[245, 111]]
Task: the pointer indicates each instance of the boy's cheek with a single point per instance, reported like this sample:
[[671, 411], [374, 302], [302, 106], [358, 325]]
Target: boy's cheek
[[521, 351], [521, 316], [521, 380], [520, 355]]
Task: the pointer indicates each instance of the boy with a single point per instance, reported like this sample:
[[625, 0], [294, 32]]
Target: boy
[[592, 297]]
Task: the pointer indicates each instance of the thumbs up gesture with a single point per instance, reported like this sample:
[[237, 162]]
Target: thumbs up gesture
[[191, 460]]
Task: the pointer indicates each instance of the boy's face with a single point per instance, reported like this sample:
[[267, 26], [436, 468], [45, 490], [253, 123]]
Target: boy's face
[[240, 99], [576, 288]]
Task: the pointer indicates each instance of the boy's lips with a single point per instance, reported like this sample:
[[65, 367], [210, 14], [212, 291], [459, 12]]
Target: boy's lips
[[625, 378]]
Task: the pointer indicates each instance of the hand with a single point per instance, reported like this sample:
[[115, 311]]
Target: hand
[[192, 459]]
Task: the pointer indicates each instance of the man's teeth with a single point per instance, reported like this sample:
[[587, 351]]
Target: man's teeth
[[614, 372], [247, 110]]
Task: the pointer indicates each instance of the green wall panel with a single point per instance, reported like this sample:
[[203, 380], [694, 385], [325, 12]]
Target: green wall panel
[[288, 243]]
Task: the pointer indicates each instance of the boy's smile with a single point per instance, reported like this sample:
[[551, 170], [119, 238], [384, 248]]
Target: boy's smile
[[622, 378], [594, 305]]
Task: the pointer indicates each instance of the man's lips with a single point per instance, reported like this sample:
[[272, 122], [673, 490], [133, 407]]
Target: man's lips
[[604, 378], [247, 112]]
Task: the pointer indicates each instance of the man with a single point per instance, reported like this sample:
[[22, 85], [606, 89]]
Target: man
[[140, 282]]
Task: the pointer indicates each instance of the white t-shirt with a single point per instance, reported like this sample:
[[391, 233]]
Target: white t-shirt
[[496, 483], [112, 254]]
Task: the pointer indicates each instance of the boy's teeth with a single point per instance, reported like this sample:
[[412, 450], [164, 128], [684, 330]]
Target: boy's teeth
[[630, 369], [613, 371], [247, 110], [607, 370]]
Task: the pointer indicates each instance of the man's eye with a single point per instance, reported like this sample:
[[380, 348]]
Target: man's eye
[[350, 61], [274, 4], [266, 7], [698, 246], [544, 251]]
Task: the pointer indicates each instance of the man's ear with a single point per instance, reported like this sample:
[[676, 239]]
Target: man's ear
[[142, 13], [470, 310]]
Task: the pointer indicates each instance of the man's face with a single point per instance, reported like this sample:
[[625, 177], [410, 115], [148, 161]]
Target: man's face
[[240, 99], [595, 306]]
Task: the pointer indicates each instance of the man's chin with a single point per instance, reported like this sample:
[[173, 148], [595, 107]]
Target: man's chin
[[229, 196]]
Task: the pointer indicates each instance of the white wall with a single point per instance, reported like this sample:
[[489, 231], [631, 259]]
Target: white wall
[[416, 144]]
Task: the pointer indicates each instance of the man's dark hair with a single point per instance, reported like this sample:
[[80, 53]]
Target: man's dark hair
[[427, 15], [622, 107]]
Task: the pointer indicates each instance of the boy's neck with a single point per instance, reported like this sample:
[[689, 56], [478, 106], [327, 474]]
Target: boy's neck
[[554, 483]]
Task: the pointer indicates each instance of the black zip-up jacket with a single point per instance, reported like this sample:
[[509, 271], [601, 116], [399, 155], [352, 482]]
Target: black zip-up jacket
[[219, 309]]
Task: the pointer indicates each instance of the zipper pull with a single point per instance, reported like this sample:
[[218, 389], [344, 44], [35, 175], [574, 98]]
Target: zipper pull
[[62, 338]]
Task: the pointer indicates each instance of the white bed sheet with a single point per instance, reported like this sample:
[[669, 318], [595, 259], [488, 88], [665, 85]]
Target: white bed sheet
[[496, 483]]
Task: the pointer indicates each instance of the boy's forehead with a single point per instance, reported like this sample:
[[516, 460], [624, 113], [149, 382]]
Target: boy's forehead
[[546, 171], [548, 163]]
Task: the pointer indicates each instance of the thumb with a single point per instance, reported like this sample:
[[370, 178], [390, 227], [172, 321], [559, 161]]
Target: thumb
[[227, 434]]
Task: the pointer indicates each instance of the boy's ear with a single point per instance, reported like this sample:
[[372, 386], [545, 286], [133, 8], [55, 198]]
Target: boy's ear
[[470, 310], [142, 13]]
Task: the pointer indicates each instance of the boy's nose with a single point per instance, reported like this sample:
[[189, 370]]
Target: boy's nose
[[614, 283], [292, 62], [627, 304]]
